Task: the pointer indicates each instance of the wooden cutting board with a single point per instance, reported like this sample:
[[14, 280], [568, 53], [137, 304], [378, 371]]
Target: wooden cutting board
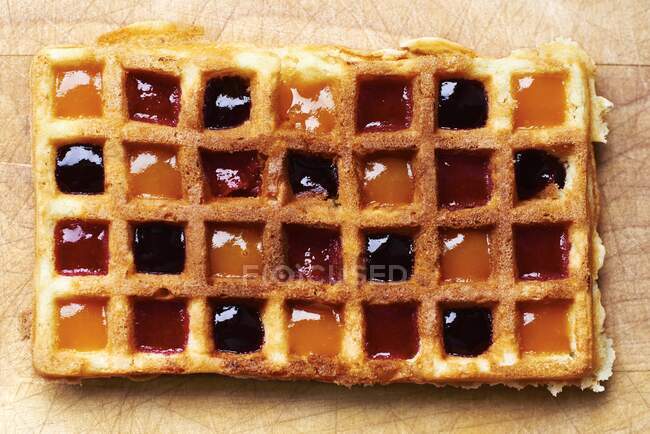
[[616, 34]]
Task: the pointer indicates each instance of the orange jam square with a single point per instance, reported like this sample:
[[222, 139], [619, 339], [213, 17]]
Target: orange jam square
[[78, 91], [82, 324], [465, 255], [544, 327], [314, 328], [153, 172], [540, 100], [306, 104], [387, 180], [235, 251]]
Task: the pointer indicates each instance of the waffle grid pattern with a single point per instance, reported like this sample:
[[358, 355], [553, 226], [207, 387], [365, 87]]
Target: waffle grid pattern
[[276, 207]]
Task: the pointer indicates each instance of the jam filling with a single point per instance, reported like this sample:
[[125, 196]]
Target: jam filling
[[235, 251], [227, 102], [387, 180], [535, 170], [160, 326], [384, 104], [236, 174], [159, 248], [313, 175], [544, 327], [464, 180], [462, 104], [465, 255], [238, 327], [391, 331], [467, 332], [82, 324], [306, 105], [81, 248], [153, 98], [389, 257], [80, 169], [314, 253], [78, 92], [314, 328], [540, 100], [153, 173], [541, 252]]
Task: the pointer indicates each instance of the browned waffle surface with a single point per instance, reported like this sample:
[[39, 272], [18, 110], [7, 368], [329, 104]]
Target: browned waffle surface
[[232, 209]]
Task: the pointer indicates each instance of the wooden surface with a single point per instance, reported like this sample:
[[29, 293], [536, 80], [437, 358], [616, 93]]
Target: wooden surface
[[616, 34]]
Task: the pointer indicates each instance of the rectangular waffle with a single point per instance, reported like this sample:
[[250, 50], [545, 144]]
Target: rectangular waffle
[[181, 52]]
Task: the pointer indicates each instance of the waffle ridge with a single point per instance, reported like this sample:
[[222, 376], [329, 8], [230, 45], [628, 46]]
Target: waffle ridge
[[182, 51]]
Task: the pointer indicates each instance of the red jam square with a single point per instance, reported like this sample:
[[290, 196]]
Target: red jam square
[[464, 179], [541, 251], [81, 248], [236, 174], [153, 97], [314, 253], [160, 326], [384, 103], [391, 331]]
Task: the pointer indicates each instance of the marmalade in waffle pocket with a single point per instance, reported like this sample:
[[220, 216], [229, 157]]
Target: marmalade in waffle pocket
[[420, 214]]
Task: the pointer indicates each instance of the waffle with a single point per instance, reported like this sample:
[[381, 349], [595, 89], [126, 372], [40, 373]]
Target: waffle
[[123, 295]]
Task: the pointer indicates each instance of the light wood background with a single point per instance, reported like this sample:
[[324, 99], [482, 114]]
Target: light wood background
[[616, 34]]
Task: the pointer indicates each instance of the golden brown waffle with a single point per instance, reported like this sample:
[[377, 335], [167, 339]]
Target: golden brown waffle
[[181, 52]]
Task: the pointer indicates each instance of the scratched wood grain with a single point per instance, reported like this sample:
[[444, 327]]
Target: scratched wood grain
[[616, 34]]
